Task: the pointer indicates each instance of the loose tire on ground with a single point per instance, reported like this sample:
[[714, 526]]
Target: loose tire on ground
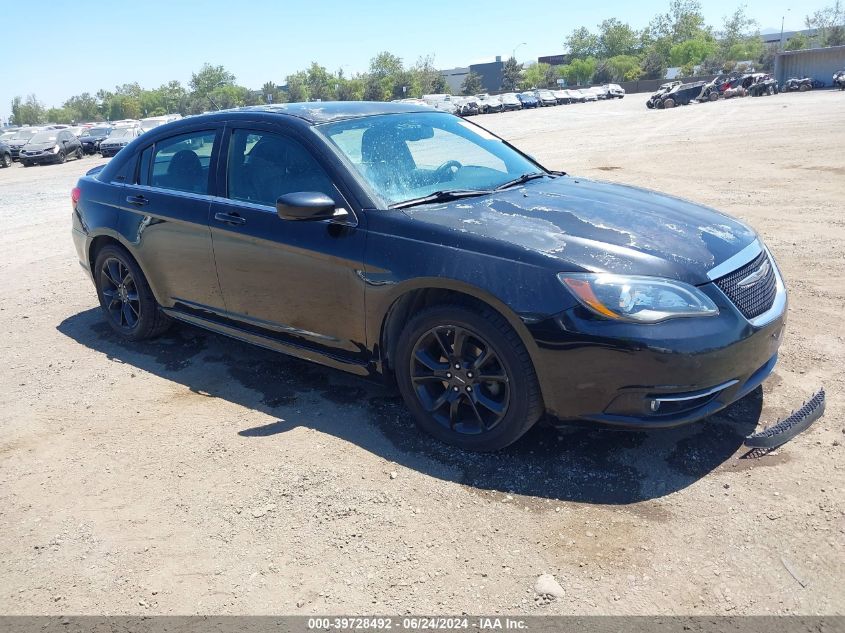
[[489, 414], [117, 276]]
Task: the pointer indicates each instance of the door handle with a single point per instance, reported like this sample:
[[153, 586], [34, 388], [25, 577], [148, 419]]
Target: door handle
[[230, 218], [139, 201]]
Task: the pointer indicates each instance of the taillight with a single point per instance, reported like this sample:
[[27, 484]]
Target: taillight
[[74, 196]]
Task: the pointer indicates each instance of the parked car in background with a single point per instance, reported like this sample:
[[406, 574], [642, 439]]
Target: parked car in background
[[614, 91], [601, 92], [562, 97], [119, 138], [5, 136], [588, 94], [76, 130], [154, 121], [528, 100], [489, 103], [20, 139], [468, 106], [574, 95], [5, 154], [545, 97], [92, 137], [443, 102], [469, 275], [510, 102], [50, 146]]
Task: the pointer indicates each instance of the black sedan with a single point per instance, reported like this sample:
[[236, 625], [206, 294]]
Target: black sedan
[[92, 137], [50, 146], [390, 240]]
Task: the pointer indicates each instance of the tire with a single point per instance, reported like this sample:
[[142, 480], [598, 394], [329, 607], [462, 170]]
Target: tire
[[669, 103], [60, 157], [79, 153], [6, 160], [125, 297], [26, 163], [803, 88], [770, 91], [473, 415], [714, 96]]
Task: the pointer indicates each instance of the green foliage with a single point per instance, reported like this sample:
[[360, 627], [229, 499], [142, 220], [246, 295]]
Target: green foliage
[[624, 68], [616, 39], [471, 84], [298, 87], [511, 74], [539, 76], [797, 42], [830, 23], [581, 43], [209, 78], [693, 51]]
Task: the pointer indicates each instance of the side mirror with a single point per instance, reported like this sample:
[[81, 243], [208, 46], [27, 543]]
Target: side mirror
[[306, 205]]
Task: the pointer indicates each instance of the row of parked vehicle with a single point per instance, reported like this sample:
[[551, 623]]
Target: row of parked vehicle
[[676, 93], [57, 143], [487, 104]]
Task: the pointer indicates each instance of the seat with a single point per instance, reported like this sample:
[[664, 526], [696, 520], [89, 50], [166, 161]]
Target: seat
[[277, 166], [387, 160], [185, 173]]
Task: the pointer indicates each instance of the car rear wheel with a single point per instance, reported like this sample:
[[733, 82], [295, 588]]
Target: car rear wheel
[[60, 157], [467, 378], [713, 96], [803, 88], [669, 103], [6, 160], [125, 296], [79, 153]]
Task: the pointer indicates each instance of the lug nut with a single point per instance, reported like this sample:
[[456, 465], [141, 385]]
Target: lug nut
[[457, 365], [469, 388], [455, 388], [469, 374], [448, 374]]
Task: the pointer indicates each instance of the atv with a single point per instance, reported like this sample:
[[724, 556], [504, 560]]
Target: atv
[[794, 83], [682, 94], [764, 85], [660, 92], [839, 79]]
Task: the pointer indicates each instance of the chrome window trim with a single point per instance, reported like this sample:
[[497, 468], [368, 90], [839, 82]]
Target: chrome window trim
[[739, 260]]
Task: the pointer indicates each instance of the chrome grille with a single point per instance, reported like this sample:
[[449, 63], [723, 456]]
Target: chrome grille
[[754, 299]]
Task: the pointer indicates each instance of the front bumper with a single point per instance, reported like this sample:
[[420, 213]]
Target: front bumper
[[15, 152], [41, 157], [653, 376], [110, 150]]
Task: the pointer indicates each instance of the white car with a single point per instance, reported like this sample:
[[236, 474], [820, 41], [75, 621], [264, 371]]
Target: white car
[[588, 94], [510, 102], [614, 91]]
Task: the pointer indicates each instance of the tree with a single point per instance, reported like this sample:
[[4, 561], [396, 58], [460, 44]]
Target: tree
[[581, 70], [736, 28], [320, 83], [616, 38], [29, 112], [653, 66], [210, 77], [623, 68], [692, 52], [84, 106], [830, 24], [539, 76], [511, 73], [471, 84], [581, 43], [298, 87], [797, 42]]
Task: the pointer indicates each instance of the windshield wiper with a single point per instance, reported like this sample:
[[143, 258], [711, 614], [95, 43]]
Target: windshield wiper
[[521, 180], [441, 196]]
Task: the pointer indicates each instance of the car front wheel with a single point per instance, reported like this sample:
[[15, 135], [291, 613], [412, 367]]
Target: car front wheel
[[125, 296], [6, 160], [467, 378]]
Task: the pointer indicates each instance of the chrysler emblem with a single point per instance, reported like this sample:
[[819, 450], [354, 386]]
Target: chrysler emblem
[[756, 277]]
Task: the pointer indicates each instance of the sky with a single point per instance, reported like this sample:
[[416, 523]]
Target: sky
[[74, 46]]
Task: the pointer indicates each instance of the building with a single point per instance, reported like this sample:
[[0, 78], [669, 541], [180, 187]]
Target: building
[[491, 74], [817, 63]]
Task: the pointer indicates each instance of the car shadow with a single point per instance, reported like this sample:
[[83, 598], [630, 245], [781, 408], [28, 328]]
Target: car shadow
[[589, 465]]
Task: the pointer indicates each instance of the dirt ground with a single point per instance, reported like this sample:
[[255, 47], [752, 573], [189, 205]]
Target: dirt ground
[[195, 474]]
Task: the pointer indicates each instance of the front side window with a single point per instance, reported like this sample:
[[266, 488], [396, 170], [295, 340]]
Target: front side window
[[182, 162], [263, 166], [408, 156]]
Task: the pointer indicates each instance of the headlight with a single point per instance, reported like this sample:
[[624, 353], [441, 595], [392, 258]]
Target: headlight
[[638, 299], [53, 149]]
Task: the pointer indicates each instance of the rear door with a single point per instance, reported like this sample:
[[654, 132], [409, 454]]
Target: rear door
[[170, 197]]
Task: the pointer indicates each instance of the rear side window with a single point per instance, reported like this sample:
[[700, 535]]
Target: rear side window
[[182, 162], [143, 177]]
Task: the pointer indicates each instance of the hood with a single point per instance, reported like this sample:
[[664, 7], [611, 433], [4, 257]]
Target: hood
[[40, 146], [585, 225], [17, 142]]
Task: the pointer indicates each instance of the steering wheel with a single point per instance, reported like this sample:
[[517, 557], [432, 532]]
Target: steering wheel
[[447, 170]]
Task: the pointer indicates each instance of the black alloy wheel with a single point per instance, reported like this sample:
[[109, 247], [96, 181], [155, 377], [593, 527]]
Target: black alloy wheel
[[120, 294], [60, 157], [79, 153], [467, 378], [125, 296], [6, 159]]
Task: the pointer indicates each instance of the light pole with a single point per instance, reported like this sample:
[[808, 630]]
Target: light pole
[[783, 17], [516, 48]]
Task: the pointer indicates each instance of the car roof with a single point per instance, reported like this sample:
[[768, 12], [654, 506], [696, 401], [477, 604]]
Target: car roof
[[324, 111]]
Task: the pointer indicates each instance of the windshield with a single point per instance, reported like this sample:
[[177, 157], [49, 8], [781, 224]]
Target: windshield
[[123, 132], [24, 135], [97, 131], [408, 156], [43, 137]]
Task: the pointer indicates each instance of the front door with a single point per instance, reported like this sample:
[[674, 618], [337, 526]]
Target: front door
[[298, 279]]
